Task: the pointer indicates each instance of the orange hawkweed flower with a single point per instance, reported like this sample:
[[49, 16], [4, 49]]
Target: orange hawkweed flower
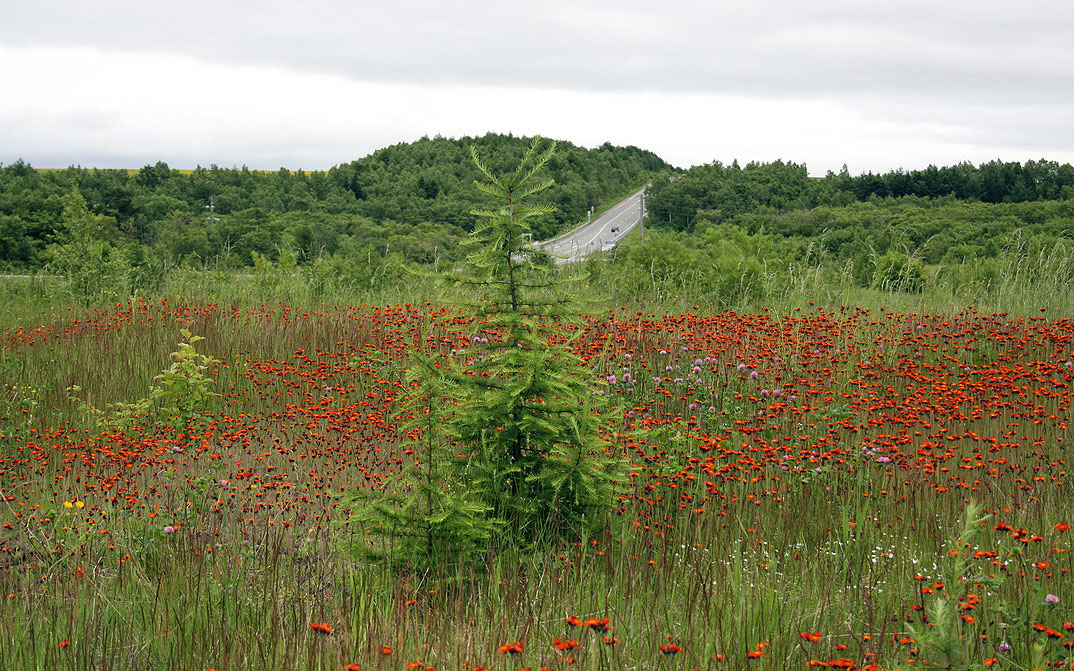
[[353, 667], [670, 649], [385, 649], [64, 643], [811, 636], [513, 648], [561, 644], [322, 627], [753, 654], [597, 624]]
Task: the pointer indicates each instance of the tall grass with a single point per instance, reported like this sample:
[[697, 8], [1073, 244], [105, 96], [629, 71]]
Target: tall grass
[[830, 551]]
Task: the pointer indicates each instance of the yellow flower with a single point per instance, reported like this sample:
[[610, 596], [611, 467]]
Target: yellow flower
[[80, 504], [68, 504]]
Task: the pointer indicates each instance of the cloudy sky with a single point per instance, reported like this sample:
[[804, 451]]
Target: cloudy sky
[[313, 83]]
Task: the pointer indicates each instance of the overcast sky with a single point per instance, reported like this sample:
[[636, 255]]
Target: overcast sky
[[314, 83]]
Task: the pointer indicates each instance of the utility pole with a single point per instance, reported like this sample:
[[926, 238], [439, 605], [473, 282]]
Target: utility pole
[[641, 213], [212, 218]]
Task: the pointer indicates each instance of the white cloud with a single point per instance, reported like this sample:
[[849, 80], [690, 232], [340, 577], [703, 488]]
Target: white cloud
[[78, 105]]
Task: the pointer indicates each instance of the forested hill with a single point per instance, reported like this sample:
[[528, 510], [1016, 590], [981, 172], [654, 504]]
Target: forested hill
[[413, 198], [432, 180]]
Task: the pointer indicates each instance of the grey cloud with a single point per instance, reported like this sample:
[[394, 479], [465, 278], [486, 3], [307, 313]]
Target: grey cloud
[[974, 51]]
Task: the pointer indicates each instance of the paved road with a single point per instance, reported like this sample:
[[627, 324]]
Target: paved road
[[598, 234]]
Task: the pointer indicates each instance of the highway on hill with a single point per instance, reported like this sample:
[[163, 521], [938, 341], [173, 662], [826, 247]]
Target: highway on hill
[[603, 233]]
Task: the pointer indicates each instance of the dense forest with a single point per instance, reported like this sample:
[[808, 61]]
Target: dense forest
[[740, 233], [728, 232], [724, 191], [410, 199]]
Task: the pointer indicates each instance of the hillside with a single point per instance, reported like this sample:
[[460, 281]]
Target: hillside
[[432, 179], [411, 192]]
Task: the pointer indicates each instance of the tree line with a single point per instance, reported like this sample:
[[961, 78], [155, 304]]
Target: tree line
[[725, 191], [738, 234], [410, 199]]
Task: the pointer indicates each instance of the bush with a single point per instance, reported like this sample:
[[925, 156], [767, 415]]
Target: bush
[[898, 272]]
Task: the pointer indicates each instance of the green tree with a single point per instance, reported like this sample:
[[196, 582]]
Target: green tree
[[88, 264], [527, 418], [517, 452]]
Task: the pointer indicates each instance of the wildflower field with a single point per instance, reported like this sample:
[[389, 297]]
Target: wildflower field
[[834, 488]]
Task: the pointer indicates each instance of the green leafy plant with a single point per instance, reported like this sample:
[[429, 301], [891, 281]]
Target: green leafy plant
[[899, 272], [180, 395], [947, 639]]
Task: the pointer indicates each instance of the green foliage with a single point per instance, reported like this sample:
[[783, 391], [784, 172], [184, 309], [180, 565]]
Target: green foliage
[[182, 391], [899, 272], [526, 415], [435, 518], [88, 264], [412, 198], [907, 245], [941, 640], [431, 180], [769, 188], [726, 191], [509, 438], [180, 395], [721, 265]]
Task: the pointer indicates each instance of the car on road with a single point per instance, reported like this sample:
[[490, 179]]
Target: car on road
[[615, 229]]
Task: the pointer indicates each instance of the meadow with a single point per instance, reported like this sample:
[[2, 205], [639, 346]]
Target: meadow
[[810, 484]]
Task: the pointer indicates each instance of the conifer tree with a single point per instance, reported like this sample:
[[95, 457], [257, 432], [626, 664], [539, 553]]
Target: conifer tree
[[527, 417], [509, 436]]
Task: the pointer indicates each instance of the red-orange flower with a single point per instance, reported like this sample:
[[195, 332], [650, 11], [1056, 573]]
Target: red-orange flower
[[322, 627], [513, 648], [596, 624]]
